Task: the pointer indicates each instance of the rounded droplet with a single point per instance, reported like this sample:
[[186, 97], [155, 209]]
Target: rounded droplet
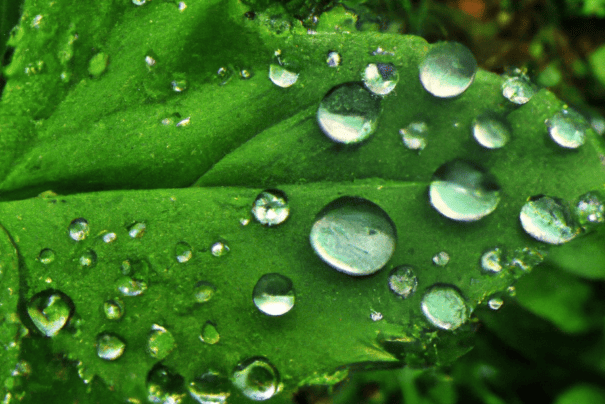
[[441, 259], [444, 307], [349, 113], [210, 388], [256, 378], [380, 78], [414, 135], [139, 2], [50, 311], [46, 256], [495, 303], [491, 261], [271, 207], [491, 131], [183, 252], [403, 281], [209, 333], [109, 237], [518, 90], [549, 220], [78, 229], [448, 69], [113, 309], [224, 75], [526, 258], [160, 342], [88, 259], [274, 294], [464, 192], [334, 59], [375, 316], [219, 249], [354, 236], [109, 346], [128, 286], [568, 128], [282, 77], [178, 86], [590, 208], [126, 267], [165, 386], [203, 291], [137, 230]]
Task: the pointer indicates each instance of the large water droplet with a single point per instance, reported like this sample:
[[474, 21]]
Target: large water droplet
[[414, 135], [444, 307], [281, 76], [274, 294], [549, 220], [256, 378], [448, 69], [380, 78], [568, 128], [160, 342], [78, 229], [113, 309], [441, 259], [334, 59], [464, 192], [219, 249], [88, 259], [491, 260], [271, 207], [590, 208], [203, 291], [137, 230], [210, 388], [209, 333], [518, 90], [109, 346], [403, 281], [165, 386], [50, 311], [46, 256], [131, 287], [183, 252], [349, 113], [491, 131], [354, 236]]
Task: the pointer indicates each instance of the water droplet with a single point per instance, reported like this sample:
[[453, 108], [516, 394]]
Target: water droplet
[[568, 128], [224, 75], [109, 346], [183, 122], [219, 249], [245, 74], [380, 51], [403, 281], [414, 135], [165, 386], [179, 86], [149, 61], [160, 342], [354, 236], [137, 230], [491, 131], [109, 237], [36, 21], [203, 291], [244, 221], [526, 258], [333, 59], [491, 260], [209, 333], [183, 252], [495, 303], [210, 388], [380, 78], [448, 69], [78, 229], [282, 77], [349, 113], [88, 259], [444, 307], [126, 267], [590, 208], [464, 192], [256, 378], [131, 287], [274, 294], [549, 220], [46, 256], [271, 207], [182, 6], [441, 259], [518, 90], [113, 309], [139, 2], [375, 316], [50, 311]]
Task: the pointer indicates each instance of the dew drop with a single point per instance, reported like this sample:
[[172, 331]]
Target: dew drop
[[50, 310], [131, 287], [526, 258], [165, 386], [160, 342], [375, 316], [182, 6], [549, 220], [590, 208], [126, 267], [403, 281], [109, 346], [441, 259], [518, 90], [149, 60], [183, 252], [354, 236], [334, 59], [209, 334], [88, 259], [113, 309], [256, 378], [137, 230], [464, 192], [414, 135], [78, 229], [210, 388], [380, 78], [274, 294], [46, 256], [178, 86], [271, 207], [109, 238], [139, 2], [349, 113], [491, 131], [224, 75], [448, 69], [219, 249], [282, 77], [183, 122], [245, 74], [36, 21], [203, 291], [568, 128], [444, 307], [495, 303], [491, 261]]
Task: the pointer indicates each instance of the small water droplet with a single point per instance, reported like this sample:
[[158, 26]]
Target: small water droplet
[[179, 86], [78, 229], [334, 59], [448, 69], [274, 294], [375, 316], [381, 52], [126, 267], [109, 346], [113, 309], [244, 221], [36, 21], [183, 122], [526, 258], [131, 287], [149, 60], [441, 259], [160, 342], [256, 378], [183, 252], [209, 333], [271, 207], [549, 220], [137, 230], [219, 249], [444, 307], [50, 310], [165, 386], [380, 78], [224, 75], [282, 77], [109, 237], [590, 208], [203, 291], [403, 281], [491, 131], [46, 256], [495, 303], [88, 259], [518, 90], [245, 74], [210, 388], [414, 135], [512, 291], [568, 128], [182, 6], [349, 113], [464, 192], [491, 260]]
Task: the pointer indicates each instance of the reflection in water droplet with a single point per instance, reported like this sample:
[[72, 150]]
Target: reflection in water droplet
[[491, 260], [549, 220], [464, 192], [109, 346], [282, 77], [414, 135], [274, 294], [403, 281], [590, 208], [203, 291], [441, 259], [349, 113], [50, 311], [209, 333], [182, 6], [333, 59], [137, 230], [46, 256], [354, 236], [88, 259], [491, 131], [183, 252], [245, 74], [179, 86], [139, 2], [495, 303], [131, 287], [271, 207], [183, 122], [380, 78], [518, 90], [448, 69], [219, 249], [568, 128], [256, 378], [113, 309], [78, 229], [375, 316], [109, 237], [165, 386], [444, 307], [210, 388], [160, 342]]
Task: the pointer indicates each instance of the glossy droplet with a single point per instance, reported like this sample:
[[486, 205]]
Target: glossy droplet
[[271, 207], [78, 229], [88, 259], [444, 307], [568, 128], [464, 192], [183, 122], [491, 131], [224, 75], [178, 86], [210, 388], [46, 256], [334, 59], [245, 74], [182, 6], [274, 294], [448, 69], [380, 78], [183, 252], [109, 237], [349, 113], [113, 309], [526, 258], [441, 259], [110, 347], [495, 303], [549, 220], [518, 90], [282, 77], [403, 281], [160, 342], [354, 236], [203, 291], [165, 386], [590, 208], [139, 2], [256, 378], [137, 230], [375, 316], [126, 267], [50, 311], [149, 60], [491, 260], [219, 249], [131, 287], [209, 333], [414, 135]]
